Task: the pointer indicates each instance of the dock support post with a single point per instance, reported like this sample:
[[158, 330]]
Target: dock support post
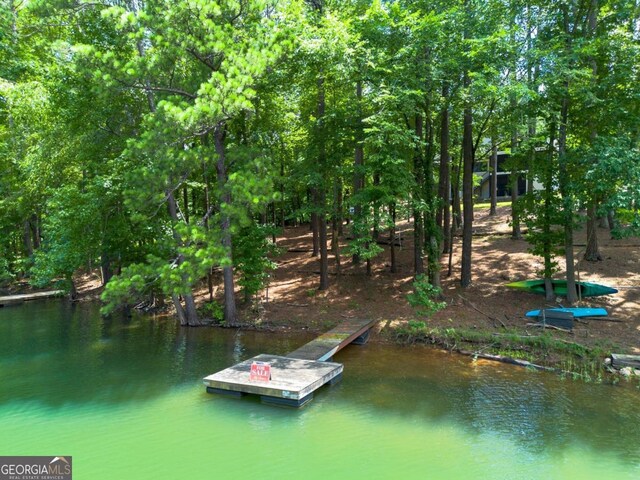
[[286, 402], [362, 339], [227, 393]]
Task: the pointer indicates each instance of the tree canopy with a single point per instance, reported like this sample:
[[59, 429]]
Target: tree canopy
[[164, 140]]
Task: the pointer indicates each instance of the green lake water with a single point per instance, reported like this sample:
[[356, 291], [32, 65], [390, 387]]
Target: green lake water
[[125, 399]]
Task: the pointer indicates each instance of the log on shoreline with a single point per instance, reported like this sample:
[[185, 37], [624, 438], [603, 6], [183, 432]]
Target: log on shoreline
[[619, 361]]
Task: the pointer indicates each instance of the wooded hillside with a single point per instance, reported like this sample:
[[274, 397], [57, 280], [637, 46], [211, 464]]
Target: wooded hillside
[[165, 141]]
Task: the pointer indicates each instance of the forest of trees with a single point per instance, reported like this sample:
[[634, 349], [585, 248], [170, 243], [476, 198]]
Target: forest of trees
[[162, 141]]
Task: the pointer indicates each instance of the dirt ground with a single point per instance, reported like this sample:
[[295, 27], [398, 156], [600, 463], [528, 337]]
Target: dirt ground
[[293, 301]]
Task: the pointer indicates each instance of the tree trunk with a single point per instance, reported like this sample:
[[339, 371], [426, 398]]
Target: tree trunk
[[339, 208], [358, 165], [532, 74], [73, 291], [603, 222], [516, 233], [185, 200], [418, 173], [26, 237], [180, 313], [457, 210], [431, 230], [207, 206], [514, 176], [315, 225], [467, 190], [210, 284], [392, 238], [195, 197], [14, 21], [564, 181], [321, 207], [376, 210], [546, 226], [230, 313], [282, 197], [611, 219], [324, 254], [34, 223], [549, 294], [335, 247], [105, 268], [188, 316], [434, 265], [189, 313], [443, 218], [494, 178], [592, 252]]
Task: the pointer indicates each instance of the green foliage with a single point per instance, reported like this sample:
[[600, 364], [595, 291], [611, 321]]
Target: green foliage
[[5, 273], [252, 250], [135, 283], [362, 243], [569, 358], [414, 331], [544, 233], [416, 326], [611, 174], [72, 236], [111, 112], [214, 311], [199, 251], [424, 297]]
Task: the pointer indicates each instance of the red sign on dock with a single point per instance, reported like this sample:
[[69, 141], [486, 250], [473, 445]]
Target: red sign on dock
[[260, 372]]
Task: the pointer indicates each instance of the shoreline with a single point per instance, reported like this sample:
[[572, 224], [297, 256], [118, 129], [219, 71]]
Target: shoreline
[[542, 352], [549, 355]]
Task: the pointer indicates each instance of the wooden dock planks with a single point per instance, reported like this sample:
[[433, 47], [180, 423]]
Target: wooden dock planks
[[293, 380], [296, 376], [17, 299], [328, 344]]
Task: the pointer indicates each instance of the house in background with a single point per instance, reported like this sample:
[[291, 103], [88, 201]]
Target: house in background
[[482, 169]]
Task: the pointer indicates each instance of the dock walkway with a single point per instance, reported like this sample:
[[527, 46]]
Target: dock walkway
[[297, 375], [328, 344], [17, 299]]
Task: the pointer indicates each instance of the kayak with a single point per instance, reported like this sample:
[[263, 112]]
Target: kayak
[[560, 287], [578, 312]]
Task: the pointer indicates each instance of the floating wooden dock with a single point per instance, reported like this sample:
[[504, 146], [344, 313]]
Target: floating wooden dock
[[17, 299], [295, 376], [292, 383]]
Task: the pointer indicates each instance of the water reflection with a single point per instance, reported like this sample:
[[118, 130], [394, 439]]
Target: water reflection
[[537, 410], [57, 355]]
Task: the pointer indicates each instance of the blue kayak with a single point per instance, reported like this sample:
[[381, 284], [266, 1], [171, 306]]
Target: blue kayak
[[577, 312]]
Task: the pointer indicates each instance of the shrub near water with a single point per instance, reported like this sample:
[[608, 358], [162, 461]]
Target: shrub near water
[[425, 297], [5, 273], [213, 310]]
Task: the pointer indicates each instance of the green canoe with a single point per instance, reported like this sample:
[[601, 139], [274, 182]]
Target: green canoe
[[560, 287]]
